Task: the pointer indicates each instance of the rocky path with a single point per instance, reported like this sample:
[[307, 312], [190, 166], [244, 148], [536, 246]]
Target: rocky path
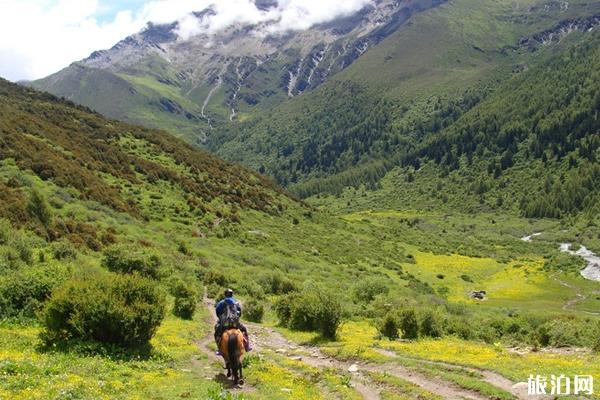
[[266, 340]]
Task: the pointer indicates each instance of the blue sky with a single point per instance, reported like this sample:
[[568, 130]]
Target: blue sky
[[108, 9]]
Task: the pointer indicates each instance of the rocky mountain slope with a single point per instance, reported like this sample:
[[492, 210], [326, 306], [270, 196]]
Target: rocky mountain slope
[[336, 105], [188, 85]]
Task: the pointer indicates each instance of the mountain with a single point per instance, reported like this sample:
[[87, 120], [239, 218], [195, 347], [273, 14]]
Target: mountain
[[414, 84], [190, 85], [531, 147], [340, 104]]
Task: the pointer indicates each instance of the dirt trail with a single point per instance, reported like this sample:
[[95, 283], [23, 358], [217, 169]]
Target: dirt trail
[[579, 297], [519, 389], [266, 339], [207, 346]]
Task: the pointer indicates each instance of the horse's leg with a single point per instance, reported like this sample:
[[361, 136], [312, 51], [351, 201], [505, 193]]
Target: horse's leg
[[236, 377], [241, 375]]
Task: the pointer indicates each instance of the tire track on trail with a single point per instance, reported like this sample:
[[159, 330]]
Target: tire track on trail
[[265, 339], [518, 389]]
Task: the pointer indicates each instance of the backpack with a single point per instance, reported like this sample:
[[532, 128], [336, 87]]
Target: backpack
[[230, 318]]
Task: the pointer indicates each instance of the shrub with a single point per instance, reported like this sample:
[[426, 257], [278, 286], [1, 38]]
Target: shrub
[[6, 231], [366, 289], [38, 208], [129, 260], [251, 289], [254, 311], [215, 277], [431, 324], [389, 327], [409, 324], [313, 309], [9, 259], [559, 332], [23, 292], [23, 248], [186, 299], [276, 283], [112, 308], [596, 339], [183, 248], [63, 250], [283, 308]]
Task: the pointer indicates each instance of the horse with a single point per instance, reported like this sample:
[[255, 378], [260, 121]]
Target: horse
[[232, 348]]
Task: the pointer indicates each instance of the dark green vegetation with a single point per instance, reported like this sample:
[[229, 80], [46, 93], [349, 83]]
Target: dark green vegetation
[[124, 310], [505, 103]]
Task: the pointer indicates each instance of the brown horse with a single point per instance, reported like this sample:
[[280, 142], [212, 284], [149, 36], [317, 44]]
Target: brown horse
[[231, 347]]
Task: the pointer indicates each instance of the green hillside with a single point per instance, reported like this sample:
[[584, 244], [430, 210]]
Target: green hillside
[[416, 83], [96, 212], [530, 148], [150, 95]]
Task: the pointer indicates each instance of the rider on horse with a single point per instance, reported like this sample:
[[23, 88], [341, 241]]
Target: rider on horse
[[229, 312]]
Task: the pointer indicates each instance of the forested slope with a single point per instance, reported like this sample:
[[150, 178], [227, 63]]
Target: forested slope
[[411, 87]]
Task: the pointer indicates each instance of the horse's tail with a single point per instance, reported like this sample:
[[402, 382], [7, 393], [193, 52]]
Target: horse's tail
[[232, 348]]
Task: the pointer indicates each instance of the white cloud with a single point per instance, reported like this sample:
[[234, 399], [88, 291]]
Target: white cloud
[[39, 37]]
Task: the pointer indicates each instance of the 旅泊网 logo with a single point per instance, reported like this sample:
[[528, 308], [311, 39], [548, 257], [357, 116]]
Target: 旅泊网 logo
[[560, 385]]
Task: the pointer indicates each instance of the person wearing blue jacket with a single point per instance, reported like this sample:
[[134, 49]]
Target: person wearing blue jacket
[[227, 304]]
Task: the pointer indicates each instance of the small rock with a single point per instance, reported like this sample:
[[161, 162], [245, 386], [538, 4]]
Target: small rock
[[286, 390], [296, 358], [280, 351], [186, 370], [353, 368]]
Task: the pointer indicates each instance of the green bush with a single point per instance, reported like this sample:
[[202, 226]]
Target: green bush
[[186, 299], [214, 291], [129, 260], [596, 339], [283, 308], [251, 289], [276, 283], [560, 332], [313, 309], [38, 208], [366, 289], [23, 292], [118, 309], [6, 231], [254, 310], [9, 259], [17, 251], [431, 324], [409, 324], [215, 277], [389, 327], [63, 250]]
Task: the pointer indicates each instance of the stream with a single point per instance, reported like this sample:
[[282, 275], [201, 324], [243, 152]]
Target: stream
[[591, 271]]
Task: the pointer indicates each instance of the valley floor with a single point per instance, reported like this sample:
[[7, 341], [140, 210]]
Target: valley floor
[[288, 364], [283, 365]]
